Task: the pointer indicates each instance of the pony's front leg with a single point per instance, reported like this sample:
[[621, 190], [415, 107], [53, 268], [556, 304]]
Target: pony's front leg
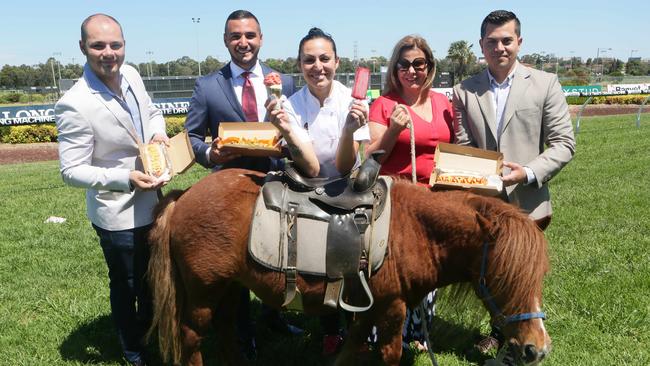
[[389, 332], [225, 316]]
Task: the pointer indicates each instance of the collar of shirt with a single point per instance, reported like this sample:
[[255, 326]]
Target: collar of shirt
[[97, 86], [237, 71], [506, 83], [127, 101], [308, 106]]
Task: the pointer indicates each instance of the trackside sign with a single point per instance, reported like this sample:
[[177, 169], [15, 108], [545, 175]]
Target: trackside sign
[[581, 88], [44, 113]]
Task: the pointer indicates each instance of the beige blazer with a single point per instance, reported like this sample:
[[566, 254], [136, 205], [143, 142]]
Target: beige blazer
[[536, 131], [98, 148]]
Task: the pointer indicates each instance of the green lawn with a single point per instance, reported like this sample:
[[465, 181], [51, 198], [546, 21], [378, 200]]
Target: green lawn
[[54, 292]]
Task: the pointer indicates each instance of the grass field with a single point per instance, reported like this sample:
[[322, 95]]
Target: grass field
[[54, 306]]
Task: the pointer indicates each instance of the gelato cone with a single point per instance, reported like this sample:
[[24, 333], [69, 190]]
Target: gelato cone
[[274, 87]]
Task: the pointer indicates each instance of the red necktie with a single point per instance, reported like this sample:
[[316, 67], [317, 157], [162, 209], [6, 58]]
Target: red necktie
[[248, 103]]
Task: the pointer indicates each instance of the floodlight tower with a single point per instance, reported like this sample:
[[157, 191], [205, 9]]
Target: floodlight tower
[[196, 22]]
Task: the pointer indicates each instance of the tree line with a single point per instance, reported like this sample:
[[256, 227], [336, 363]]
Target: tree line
[[460, 62]]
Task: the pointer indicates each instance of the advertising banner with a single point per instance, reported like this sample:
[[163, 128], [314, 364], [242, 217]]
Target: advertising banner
[[630, 88], [44, 113], [581, 89]]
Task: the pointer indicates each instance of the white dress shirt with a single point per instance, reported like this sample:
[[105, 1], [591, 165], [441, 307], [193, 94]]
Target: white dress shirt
[[256, 77], [323, 125], [500, 94]]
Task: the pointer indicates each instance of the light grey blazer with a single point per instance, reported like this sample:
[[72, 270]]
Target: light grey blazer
[[98, 148], [536, 131]]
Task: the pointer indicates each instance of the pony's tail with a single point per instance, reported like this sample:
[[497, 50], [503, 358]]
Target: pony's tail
[[162, 277]]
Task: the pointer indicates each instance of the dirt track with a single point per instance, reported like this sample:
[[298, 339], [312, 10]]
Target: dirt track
[[607, 109], [24, 153]]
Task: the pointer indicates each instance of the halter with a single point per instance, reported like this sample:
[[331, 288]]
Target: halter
[[499, 319]]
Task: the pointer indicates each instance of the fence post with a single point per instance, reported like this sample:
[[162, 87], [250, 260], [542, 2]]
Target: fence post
[[638, 115], [580, 113]]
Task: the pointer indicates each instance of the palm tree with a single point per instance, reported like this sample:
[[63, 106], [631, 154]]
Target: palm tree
[[462, 56]]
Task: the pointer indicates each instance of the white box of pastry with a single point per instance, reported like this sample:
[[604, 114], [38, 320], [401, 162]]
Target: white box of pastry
[[250, 138], [163, 161], [464, 167]]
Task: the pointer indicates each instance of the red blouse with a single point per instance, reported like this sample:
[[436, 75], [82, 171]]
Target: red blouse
[[427, 135]]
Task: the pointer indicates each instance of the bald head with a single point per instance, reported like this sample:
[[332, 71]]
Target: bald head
[[103, 18]]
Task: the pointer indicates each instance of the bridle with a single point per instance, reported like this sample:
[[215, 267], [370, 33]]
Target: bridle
[[498, 318]]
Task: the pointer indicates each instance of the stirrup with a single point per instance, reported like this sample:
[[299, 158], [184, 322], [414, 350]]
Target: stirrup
[[366, 288]]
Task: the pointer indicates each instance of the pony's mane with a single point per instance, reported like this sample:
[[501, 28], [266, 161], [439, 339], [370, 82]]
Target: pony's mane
[[518, 260]]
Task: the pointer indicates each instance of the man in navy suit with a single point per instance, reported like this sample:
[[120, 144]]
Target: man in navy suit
[[220, 97]]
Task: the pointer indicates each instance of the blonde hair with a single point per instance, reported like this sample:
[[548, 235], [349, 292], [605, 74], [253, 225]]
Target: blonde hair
[[409, 42]]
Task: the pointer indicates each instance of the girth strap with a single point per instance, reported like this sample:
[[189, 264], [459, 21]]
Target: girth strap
[[292, 258]]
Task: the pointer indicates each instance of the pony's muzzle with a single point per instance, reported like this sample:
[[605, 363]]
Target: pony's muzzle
[[528, 354]]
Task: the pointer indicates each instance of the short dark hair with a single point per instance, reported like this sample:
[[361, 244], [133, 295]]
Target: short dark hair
[[500, 17], [313, 34], [84, 24], [241, 14]]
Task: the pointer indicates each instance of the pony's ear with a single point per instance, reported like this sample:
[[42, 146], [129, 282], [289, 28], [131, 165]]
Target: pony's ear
[[486, 227]]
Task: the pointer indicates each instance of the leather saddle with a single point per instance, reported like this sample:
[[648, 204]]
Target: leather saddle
[[336, 228]]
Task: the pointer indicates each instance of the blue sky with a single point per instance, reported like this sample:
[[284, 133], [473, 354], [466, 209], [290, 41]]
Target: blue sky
[[162, 30]]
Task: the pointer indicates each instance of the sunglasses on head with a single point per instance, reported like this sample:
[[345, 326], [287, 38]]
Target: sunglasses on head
[[419, 64]]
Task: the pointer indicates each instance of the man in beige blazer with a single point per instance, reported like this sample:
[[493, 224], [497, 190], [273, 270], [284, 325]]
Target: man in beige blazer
[[100, 122], [519, 111]]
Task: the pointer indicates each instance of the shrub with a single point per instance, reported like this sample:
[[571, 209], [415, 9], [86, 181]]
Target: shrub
[[174, 124], [612, 99], [25, 134], [30, 133], [9, 98], [620, 99], [576, 100]]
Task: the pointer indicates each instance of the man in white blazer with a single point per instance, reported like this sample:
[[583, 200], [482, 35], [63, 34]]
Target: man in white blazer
[[519, 111], [100, 121]]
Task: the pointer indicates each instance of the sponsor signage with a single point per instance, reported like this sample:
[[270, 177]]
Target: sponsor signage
[[628, 88], [44, 113], [582, 89], [449, 92]]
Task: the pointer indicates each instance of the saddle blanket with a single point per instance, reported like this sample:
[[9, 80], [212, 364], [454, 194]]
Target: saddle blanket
[[264, 240]]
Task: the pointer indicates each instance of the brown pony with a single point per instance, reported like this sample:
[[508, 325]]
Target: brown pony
[[199, 261]]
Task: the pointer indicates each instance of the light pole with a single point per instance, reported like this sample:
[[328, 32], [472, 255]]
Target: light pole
[[58, 64], [149, 64], [598, 51], [196, 21], [53, 75], [542, 56], [572, 53]]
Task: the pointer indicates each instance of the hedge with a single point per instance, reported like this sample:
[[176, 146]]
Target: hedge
[[47, 132], [612, 99]]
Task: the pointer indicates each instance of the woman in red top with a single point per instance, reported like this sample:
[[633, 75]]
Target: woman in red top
[[408, 98]]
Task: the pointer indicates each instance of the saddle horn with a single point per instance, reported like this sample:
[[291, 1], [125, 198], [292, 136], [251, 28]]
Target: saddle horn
[[368, 172]]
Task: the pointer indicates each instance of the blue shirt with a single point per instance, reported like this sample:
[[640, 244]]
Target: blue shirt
[[128, 102]]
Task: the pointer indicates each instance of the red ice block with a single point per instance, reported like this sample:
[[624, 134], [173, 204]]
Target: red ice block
[[361, 80]]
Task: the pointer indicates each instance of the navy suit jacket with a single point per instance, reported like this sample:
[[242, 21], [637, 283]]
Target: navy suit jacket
[[214, 101]]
